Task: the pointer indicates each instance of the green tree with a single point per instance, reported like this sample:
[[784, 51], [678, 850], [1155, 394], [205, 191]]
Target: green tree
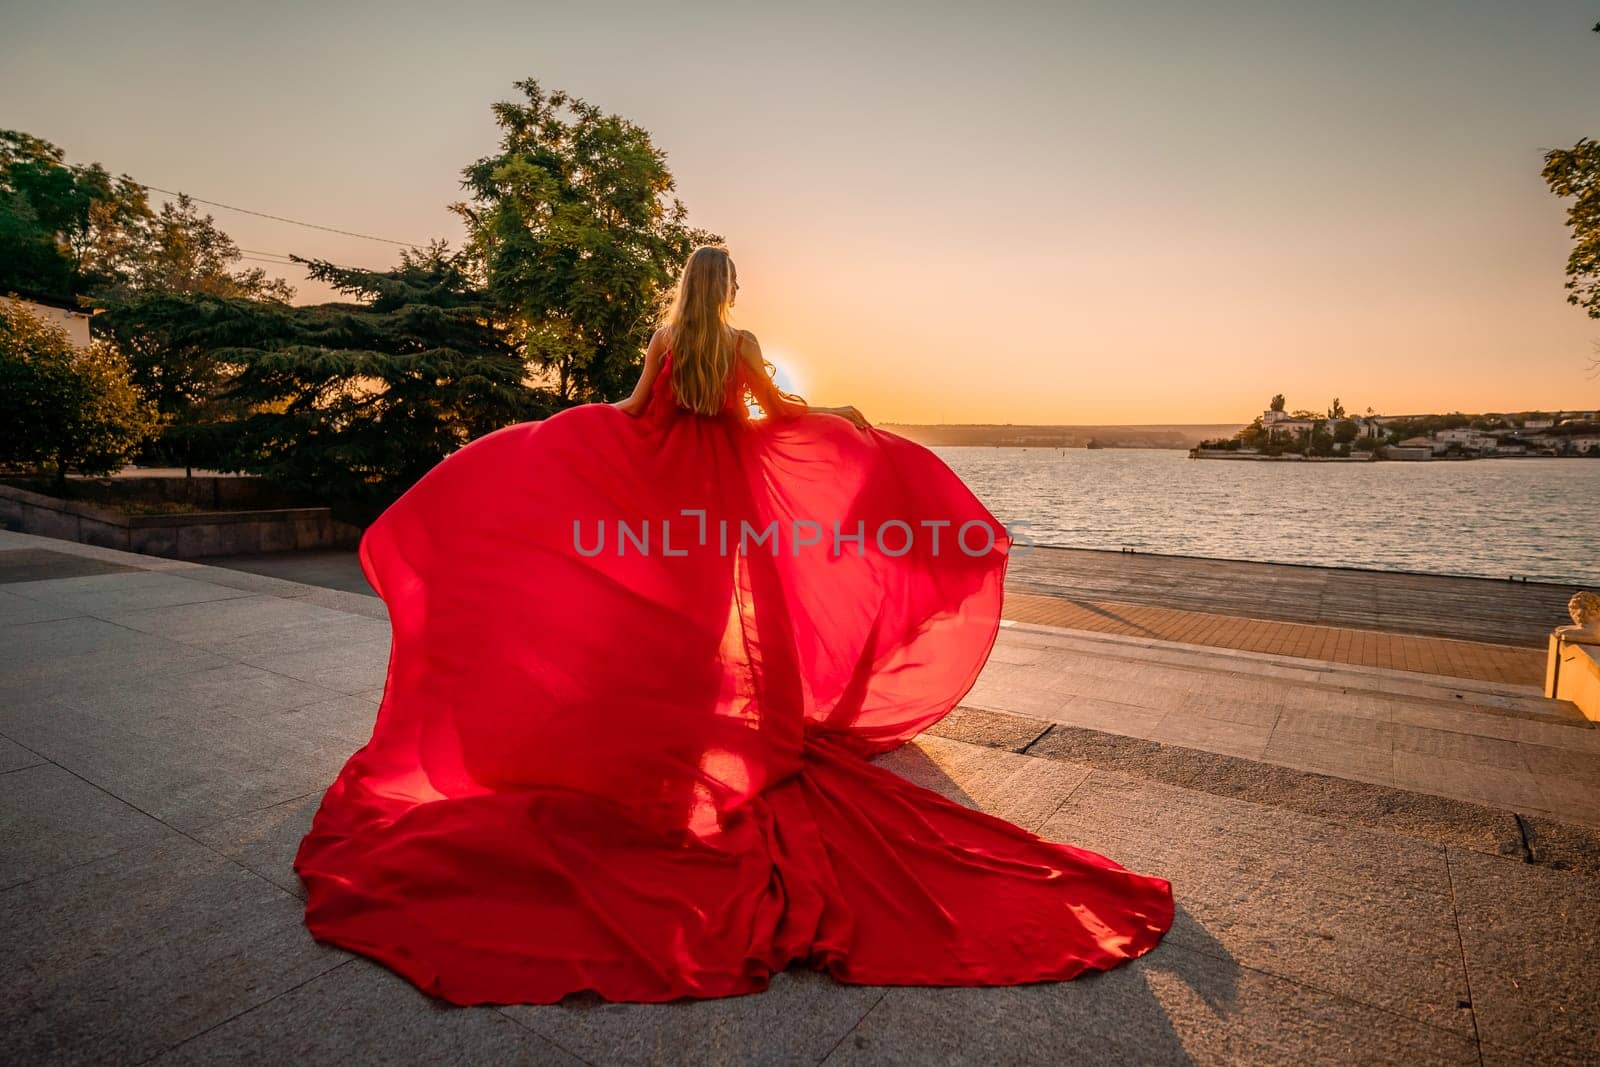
[[1575, 173], [181, 250], [355, 401], [180, 255], [174, 346], [62, 407], [1345, 432], [573, 225], [1277, 402], [64, 229]]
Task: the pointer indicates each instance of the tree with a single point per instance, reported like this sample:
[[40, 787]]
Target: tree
[[1277, 402], [64, 407], [181, 255], [64, 229], [71, 230], [1575, 172], [181, 250], [355, 401], [175, 348], [1345, 432], [1335, 410], [572, 224]]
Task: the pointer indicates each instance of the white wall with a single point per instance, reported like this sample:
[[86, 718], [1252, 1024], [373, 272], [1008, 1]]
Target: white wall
[[76, 323]]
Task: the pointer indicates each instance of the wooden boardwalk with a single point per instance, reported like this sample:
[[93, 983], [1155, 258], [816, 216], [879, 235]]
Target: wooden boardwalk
[[1464, 609]]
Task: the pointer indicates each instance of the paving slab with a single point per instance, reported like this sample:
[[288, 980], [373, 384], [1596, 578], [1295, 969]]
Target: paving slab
[[1514, 788], [1175, 1006], [1364, 726], [1089, 712], [1245, 739], [18, 609], [41, 657], [1364, 646], [1570, 801], [1477, 609], [106, 595], [14, 757], [992, 729], [51, 820], [1568, 736], [118, 960], [1349, 802], [359, 1012], [265, 841], [351, 669], [332, 568], [1531, 937], [1341, 759], [308, 635], [190, 760], [218, 573], [1363, 915], [23, 562], [1024, 790], [800, 1018], [233, 615]]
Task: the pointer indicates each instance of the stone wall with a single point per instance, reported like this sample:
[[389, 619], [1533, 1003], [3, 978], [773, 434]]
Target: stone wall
[[186, 536]]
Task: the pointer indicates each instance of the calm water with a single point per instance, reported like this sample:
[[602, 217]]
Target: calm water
[[1533, 518]]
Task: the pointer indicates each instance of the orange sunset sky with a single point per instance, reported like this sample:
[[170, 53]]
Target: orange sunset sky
[[1029, 212]]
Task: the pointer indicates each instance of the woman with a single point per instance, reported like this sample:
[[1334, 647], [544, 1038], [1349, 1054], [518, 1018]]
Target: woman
[[641, 655]]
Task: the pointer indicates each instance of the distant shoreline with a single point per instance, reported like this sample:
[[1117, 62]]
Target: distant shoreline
[[1295, 457], [1001, 435]]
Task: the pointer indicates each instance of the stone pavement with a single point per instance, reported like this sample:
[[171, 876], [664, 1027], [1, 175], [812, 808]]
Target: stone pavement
[[1420, 647], [1485, 661], [1467, 609], [1371, 866]]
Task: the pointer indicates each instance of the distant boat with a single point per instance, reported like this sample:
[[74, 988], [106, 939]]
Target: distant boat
[[1094, 444]]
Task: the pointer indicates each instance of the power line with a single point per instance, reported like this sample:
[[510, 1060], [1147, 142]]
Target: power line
[[282, 257], [280, 218]]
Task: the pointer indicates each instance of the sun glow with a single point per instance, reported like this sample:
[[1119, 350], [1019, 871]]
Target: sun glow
[[789, 370]]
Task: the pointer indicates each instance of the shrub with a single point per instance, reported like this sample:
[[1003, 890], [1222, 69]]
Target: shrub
[[62, 407]]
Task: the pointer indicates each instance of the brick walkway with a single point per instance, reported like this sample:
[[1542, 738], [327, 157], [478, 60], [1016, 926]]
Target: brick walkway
[[1365, 648]]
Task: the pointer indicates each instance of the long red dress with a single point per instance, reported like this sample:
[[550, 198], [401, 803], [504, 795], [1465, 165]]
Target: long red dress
[[639, 767]]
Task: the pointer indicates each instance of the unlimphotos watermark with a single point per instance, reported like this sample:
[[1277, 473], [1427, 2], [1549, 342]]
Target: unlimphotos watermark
[[891, 537]]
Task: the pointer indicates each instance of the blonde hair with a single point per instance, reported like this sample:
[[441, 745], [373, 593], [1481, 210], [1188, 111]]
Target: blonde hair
[[698, 332]]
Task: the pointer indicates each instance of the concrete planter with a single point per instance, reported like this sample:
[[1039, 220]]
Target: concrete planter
[[187, 536], [1573, 673]]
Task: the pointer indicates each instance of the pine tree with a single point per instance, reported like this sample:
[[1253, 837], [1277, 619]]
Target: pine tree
[[356, 401]]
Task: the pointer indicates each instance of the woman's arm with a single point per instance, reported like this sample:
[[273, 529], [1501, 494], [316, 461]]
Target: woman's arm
[[776, 402], [634, 404], [848, 412]]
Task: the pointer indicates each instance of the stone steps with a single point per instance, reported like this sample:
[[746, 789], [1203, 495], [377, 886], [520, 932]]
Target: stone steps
[[1469, 696], [1491, 744]]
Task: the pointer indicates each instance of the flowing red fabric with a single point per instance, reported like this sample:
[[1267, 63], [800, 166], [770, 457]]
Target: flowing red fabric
[[643, 770]]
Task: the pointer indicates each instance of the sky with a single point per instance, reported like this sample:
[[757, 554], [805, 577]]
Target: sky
[[1115, 212]]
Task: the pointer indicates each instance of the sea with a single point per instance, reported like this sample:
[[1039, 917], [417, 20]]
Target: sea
[[1537, 519]]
